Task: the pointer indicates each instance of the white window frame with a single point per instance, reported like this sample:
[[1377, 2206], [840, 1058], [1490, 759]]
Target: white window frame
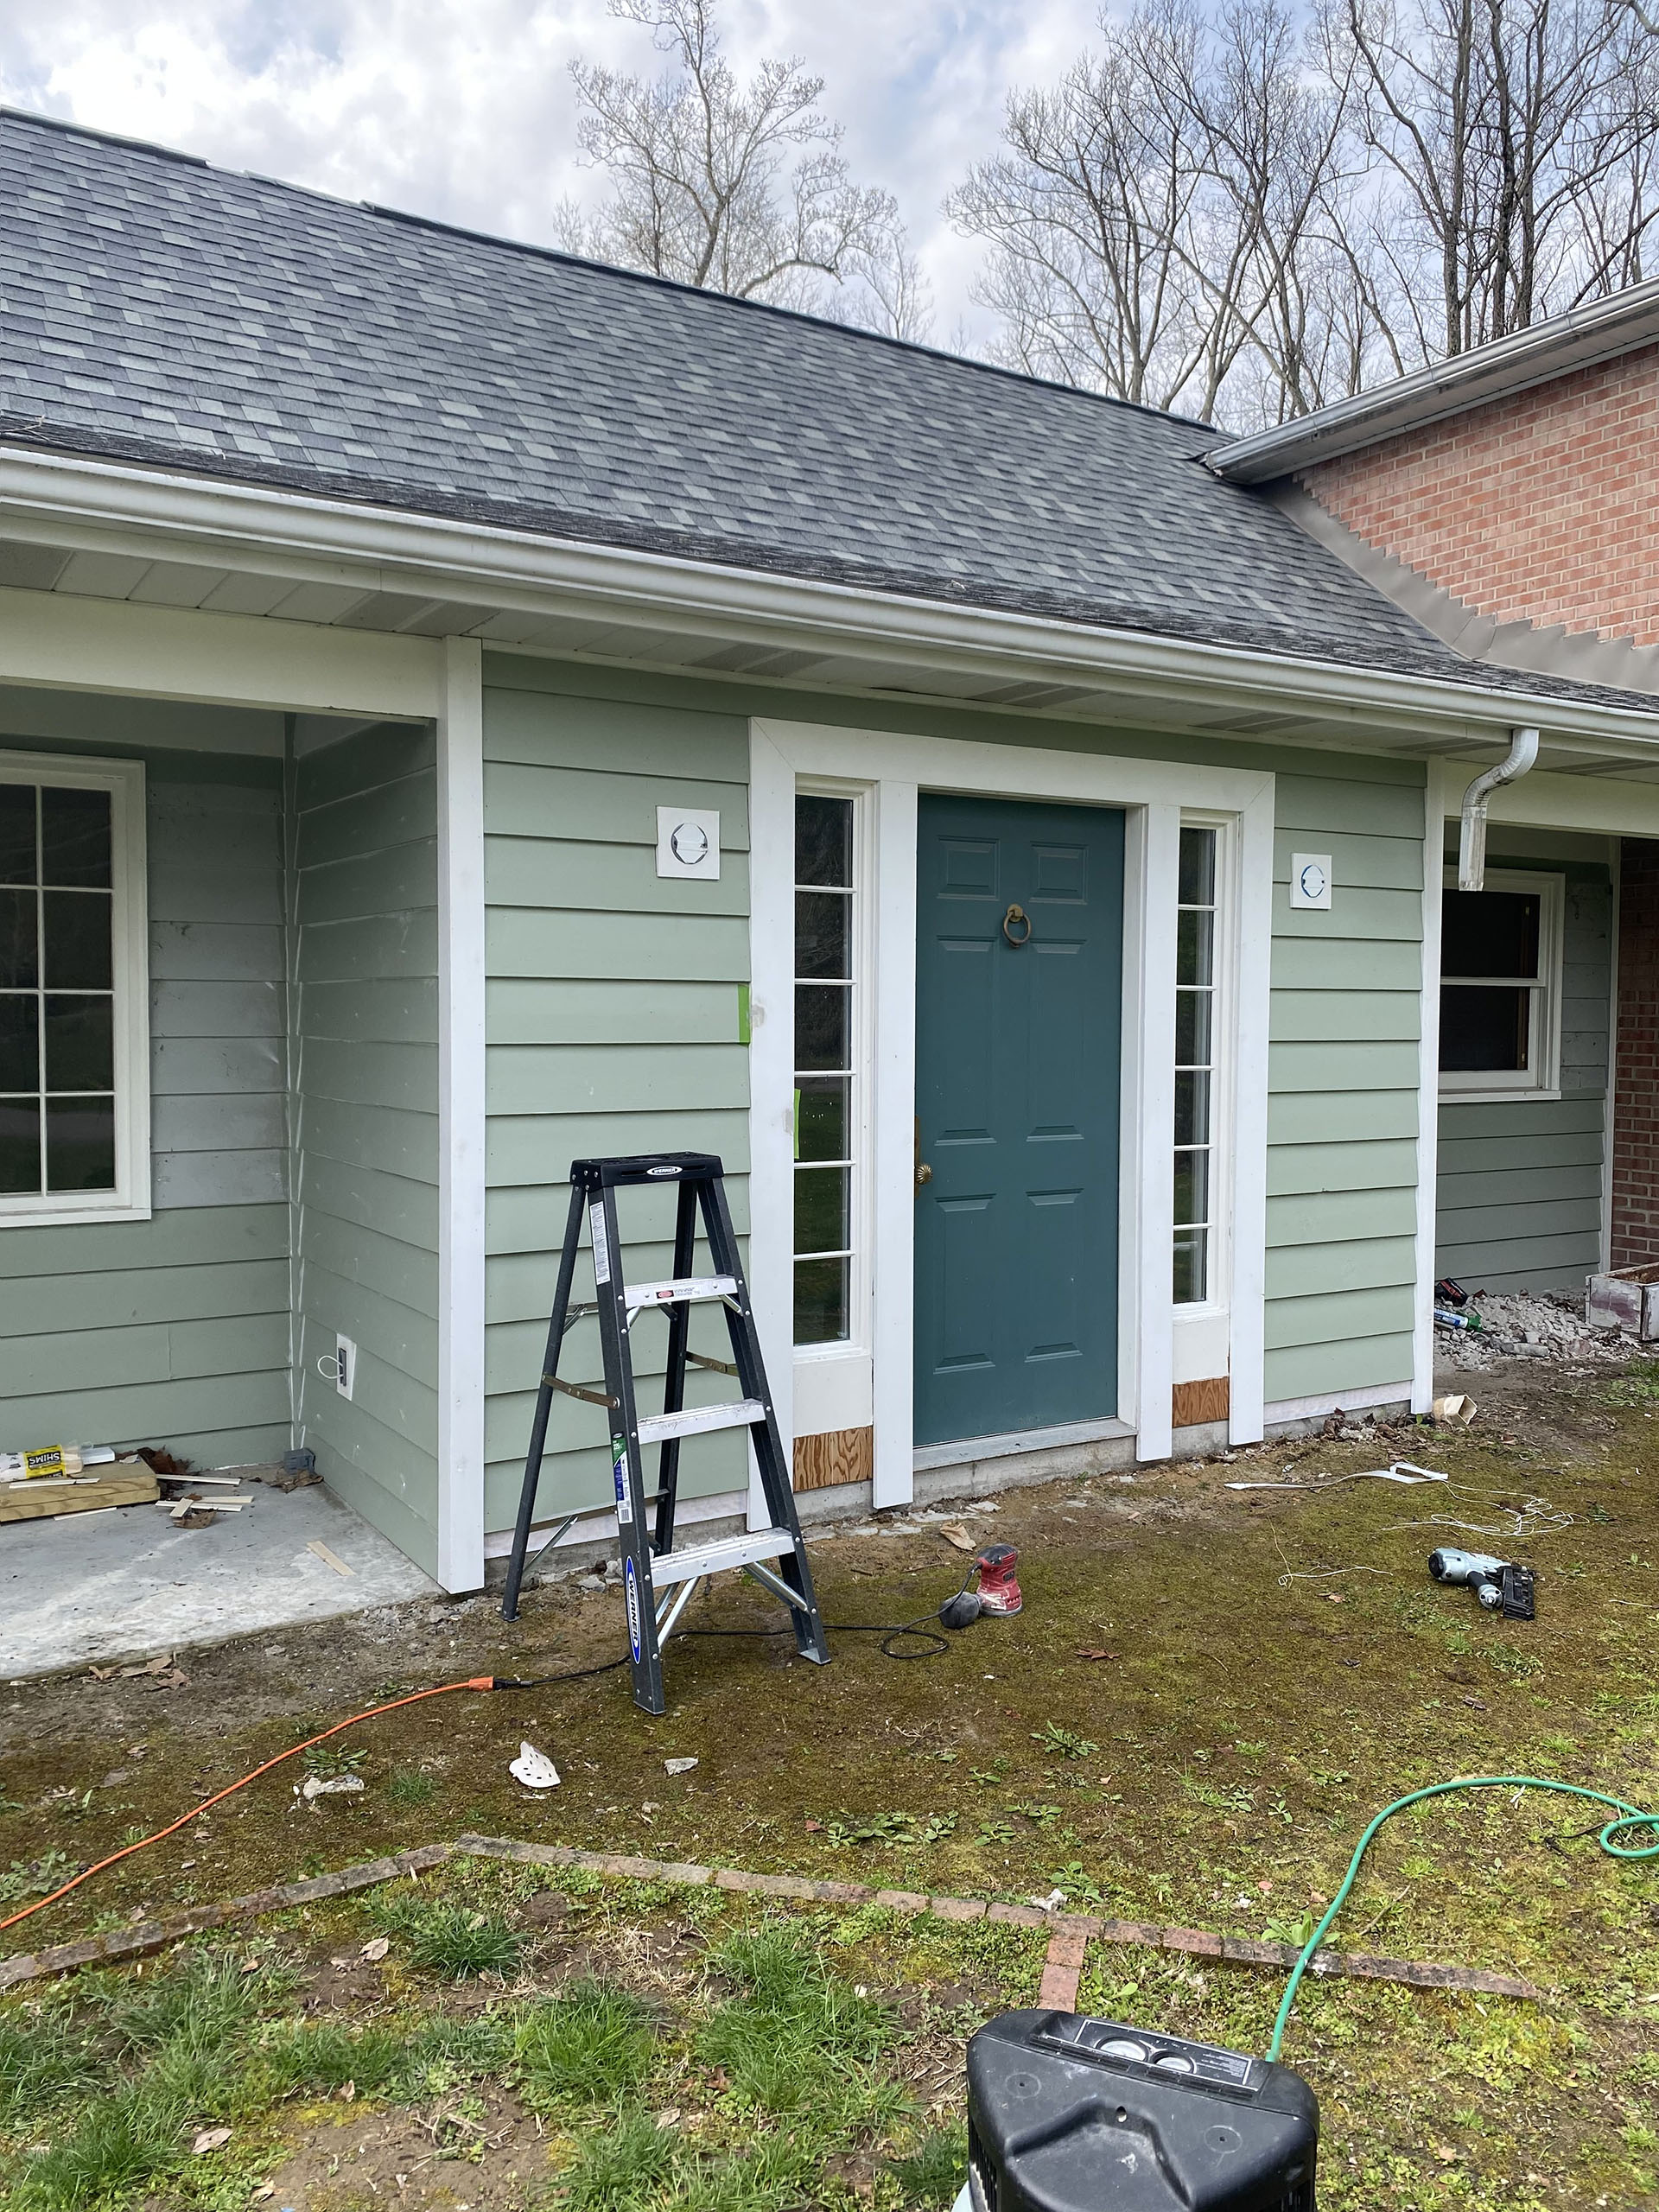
[[124, 782], [1541, 1077], [894, 767], [833, 1380], [1203, 1333]]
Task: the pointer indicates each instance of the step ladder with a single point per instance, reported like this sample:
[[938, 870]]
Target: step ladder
[[658, 1579]]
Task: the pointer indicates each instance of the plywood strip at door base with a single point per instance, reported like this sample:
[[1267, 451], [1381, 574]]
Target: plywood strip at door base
[[841, 1455], [1194, 1403]]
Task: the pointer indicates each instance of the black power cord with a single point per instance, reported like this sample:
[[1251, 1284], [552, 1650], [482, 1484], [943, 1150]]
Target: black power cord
[[891, 1632]]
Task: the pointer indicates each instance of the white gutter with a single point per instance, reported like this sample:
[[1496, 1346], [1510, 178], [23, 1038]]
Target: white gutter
[[1471, 835], [1578, 339], [153, 515]]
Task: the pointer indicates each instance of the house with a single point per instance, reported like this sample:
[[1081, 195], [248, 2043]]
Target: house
[[1508, 500], [463, 709]]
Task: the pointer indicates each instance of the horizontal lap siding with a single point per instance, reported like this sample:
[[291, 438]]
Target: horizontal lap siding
[[174, 1330], [365, 1057], [1342, 1071], [1518, 1203], [613, 1027]]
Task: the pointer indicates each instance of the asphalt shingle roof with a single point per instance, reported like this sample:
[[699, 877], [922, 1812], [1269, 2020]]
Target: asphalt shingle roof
[[157, 310]]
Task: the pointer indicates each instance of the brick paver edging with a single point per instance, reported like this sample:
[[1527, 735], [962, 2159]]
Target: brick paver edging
[[1069, 1933]]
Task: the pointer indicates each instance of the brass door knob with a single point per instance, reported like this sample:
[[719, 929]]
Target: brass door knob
[[924, 1173]]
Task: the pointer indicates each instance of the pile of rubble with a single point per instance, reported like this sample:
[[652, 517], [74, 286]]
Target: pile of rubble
[[1527, 1324]]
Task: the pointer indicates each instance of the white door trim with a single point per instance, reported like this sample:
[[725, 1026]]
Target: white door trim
[[894, 768], [461, 1117]]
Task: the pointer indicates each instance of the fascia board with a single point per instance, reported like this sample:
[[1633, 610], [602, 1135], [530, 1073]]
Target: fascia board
[[64, 500]]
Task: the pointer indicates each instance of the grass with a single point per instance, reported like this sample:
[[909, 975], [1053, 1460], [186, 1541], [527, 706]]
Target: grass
[[930, 2173], [593, 2041], [450, 1939]]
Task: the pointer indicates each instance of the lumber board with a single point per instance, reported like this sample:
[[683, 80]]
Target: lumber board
[[129, 1482]]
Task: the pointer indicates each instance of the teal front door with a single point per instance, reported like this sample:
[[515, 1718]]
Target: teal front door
[[1018, 989]]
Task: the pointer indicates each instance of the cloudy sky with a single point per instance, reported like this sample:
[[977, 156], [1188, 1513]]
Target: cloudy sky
[[463, 109]]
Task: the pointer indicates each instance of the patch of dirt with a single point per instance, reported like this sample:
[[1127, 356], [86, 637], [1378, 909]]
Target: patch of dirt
[[478, 2149]]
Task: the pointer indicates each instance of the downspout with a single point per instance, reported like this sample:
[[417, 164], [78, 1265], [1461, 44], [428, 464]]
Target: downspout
[[1471, 839]]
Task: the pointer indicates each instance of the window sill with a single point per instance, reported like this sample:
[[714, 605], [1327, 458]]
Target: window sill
[[1509, 1094], [54, 1214]]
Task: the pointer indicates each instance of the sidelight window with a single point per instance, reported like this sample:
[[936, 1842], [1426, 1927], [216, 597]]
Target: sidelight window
[[68, 1067], [1195, 1065], [827, 1109]]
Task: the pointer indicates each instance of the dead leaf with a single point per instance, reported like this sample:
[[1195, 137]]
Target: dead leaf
[[211, 2138], [815, 1827], [347, 2093], [1092, 1654], [1446, 2155], [964, 1539], [102, 1674], [1334, 1598], [376, 1948]]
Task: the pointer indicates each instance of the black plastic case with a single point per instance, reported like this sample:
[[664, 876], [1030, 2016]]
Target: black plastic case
[[1067, 2114]]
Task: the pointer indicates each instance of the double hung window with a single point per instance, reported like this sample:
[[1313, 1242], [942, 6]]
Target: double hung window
[[1500, 984], [72, 1087]]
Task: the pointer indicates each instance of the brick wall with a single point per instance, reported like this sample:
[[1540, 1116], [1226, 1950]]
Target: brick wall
[[1636, 1081], [1541, 508]]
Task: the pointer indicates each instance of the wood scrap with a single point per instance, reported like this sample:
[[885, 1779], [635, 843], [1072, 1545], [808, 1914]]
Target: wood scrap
[[127, 1483], [329, 1557]]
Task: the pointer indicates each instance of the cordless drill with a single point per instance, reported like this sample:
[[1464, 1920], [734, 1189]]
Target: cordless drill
[[1500, 1584]]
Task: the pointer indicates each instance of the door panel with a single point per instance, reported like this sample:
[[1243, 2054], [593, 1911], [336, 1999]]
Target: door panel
[[1017, 1062]]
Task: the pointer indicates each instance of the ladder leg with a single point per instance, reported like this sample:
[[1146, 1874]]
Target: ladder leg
[[645, 1653], [543, 1403], [776, 1486], [679, 1328]]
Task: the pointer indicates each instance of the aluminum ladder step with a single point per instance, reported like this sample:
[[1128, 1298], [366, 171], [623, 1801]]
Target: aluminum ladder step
[[696, 1421], [689, 1290], [715, 1559]]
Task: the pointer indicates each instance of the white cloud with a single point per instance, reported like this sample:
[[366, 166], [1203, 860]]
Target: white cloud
[[467, 113]]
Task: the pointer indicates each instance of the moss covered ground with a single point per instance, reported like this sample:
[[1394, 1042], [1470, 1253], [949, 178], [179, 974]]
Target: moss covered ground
[[1207, 1695]]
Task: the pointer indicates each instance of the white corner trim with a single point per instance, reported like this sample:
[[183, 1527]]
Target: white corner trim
[[1610, 1107], [1436, 795], [1253, 939], [1333, 1402], [893, 768], [129, 901], [461, 1117]]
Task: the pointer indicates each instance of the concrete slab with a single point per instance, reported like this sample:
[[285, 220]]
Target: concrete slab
[[127, 1584]]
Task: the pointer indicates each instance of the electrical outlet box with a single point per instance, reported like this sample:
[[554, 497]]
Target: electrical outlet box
[[346, 1351]]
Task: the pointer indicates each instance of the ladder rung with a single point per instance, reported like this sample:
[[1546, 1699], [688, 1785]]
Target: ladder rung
[[716, 1558], [741, 1413], [688, 1291]]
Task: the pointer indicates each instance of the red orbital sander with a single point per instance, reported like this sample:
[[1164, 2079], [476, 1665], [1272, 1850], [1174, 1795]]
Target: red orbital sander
[[998, 1591]]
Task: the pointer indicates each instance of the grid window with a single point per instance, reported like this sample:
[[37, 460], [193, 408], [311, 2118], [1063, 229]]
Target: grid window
[[824, 1080], [1490, 1027], [1195, 1065], [57, 990]]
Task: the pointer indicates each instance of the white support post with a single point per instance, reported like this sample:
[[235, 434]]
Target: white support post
[[1155, 1191], [1428, 1091], [461, 1117], [772, 1063], [1246, 1363]]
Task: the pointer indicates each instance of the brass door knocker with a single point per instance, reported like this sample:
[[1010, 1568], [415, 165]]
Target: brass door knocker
[[1016, 917]]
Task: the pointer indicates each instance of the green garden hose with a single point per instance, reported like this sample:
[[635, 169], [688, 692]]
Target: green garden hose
[[1626, 1818]]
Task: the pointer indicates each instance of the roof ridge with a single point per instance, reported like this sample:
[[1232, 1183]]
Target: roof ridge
[[717, 300]]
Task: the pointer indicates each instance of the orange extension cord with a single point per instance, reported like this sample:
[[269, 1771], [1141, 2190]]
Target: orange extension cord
[[477, 1683]]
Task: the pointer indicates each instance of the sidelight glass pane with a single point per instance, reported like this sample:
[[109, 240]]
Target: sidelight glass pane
[[824, 839], [821, 1301], [20, 967], [822, 1130], [1196, 885], [78, 952], [1192, 1188], [1490, 933], [75, 837], [17, 834], [80, 1144], [821, 1209], [824, 933], [1191, 1029], [80, 1043], [19, 1144], [1192, 1106], [821, 1026], [1192, 1266], [1195, 947], [20, 1045], [1484, 1029]]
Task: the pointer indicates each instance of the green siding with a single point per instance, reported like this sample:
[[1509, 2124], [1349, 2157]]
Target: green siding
[[1518, 1197], [613, 1025], [363, 892], [174, 1330]]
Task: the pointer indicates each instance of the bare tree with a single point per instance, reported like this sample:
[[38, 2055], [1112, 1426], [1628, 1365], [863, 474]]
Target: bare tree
[[737, 187]]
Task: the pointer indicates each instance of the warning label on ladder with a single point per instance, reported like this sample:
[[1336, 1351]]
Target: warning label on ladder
[[601, 1244]]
